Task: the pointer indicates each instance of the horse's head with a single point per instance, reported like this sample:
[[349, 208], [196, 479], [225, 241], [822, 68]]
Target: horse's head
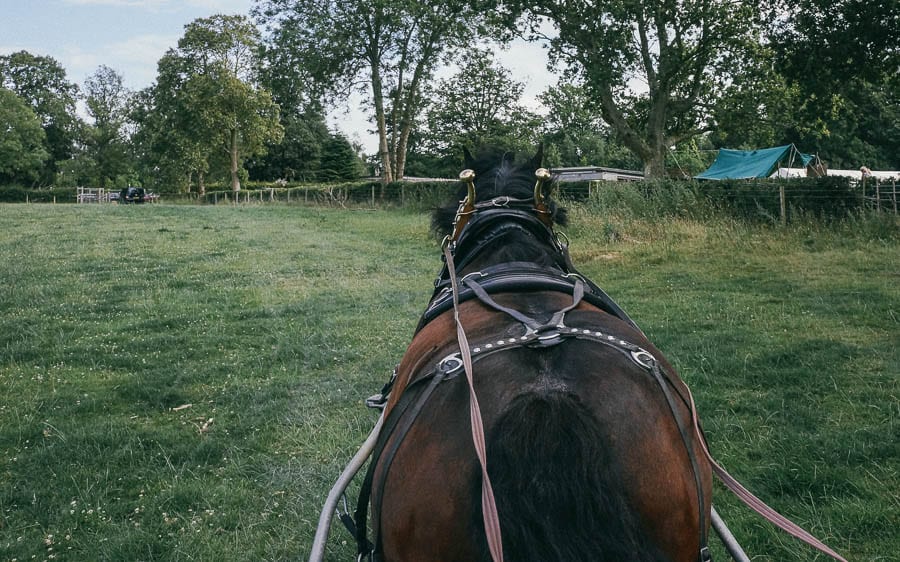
[[504, 203]]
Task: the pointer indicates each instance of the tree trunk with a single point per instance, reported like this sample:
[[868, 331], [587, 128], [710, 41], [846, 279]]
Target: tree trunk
[[235, 180], [201, 183], [655, 167], [384, 155]]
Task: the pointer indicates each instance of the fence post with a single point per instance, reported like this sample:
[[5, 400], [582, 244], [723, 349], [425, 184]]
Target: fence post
[[877, 196], [894, 194], [782, 204]]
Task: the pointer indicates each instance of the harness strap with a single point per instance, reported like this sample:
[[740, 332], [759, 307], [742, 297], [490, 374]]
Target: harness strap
[[686, 438], [641, 356], [486, 299], [413, 404]]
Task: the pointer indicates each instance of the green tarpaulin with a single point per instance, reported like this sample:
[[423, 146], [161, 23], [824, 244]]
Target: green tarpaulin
[[744, 164]]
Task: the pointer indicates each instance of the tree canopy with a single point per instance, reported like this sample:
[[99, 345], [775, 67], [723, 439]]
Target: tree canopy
[[41, 82], [645, 83], [655, 68], [207, 107], [387, 48], [22, 152]]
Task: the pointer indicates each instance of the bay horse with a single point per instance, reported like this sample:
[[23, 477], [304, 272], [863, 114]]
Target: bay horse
[[591, 453]]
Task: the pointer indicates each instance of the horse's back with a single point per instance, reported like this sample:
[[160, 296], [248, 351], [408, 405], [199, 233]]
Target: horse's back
[[585, 459]]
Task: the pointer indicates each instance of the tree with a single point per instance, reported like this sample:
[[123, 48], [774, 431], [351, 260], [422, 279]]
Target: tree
[[22, 152], [388, 48], [221, 91], [107, 102], [574, 131], [41, 82], [298, 155], [680, 53], [169, 144], [842, 57], [479, 105], [339, 160], [207, 110]]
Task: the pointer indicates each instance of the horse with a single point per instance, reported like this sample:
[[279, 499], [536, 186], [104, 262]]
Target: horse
[[591, 452]]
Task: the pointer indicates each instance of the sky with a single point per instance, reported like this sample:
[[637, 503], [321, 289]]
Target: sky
[[130, 36]]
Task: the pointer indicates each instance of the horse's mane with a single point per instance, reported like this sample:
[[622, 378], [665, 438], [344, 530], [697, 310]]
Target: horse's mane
[[497, 173]]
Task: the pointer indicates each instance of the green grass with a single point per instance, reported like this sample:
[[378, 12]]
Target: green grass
[[275, 322]]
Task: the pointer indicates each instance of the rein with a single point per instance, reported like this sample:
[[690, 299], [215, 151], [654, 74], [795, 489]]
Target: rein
[[488, 504]]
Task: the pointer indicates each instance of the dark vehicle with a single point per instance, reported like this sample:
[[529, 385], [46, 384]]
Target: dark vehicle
[[132, 195]]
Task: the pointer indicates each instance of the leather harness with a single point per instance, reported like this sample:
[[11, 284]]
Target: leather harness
[[489, 221]]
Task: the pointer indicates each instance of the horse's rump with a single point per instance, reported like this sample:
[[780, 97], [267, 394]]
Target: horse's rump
[[571, 435]]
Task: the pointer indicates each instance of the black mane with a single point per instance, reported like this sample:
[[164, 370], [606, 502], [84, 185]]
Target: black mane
[[497, 173]]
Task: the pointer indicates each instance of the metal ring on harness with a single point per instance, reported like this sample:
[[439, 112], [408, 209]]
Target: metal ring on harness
[[643, 358]]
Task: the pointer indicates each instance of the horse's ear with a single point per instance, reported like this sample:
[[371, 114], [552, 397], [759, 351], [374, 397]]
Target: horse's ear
[[538, 159], [468, 160]]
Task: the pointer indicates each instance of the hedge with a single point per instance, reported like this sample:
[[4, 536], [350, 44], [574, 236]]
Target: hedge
[[15, 194]]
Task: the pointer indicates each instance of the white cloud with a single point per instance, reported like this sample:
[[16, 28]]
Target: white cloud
[[137, 3], [227, 6]]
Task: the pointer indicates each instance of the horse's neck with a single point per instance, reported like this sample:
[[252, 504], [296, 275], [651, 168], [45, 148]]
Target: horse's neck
[[511, 249]]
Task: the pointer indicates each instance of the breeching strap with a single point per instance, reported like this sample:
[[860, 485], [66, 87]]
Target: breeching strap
[[488, 505]]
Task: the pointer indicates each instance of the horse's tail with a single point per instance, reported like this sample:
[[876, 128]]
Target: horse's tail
[[559, 495]]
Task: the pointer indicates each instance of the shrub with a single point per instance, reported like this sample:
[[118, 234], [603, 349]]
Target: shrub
[[16, 194], [648, 199]]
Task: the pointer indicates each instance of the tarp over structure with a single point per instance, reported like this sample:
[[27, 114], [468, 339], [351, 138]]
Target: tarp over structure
[[747, 164]]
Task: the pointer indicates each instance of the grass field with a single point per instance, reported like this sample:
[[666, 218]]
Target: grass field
[[185, 383]]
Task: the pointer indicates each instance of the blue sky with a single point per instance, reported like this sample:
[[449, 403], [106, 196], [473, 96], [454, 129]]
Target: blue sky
[[130, 36], [126, 35]]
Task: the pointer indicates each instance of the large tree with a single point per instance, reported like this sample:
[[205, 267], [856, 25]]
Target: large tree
[[843, 59], [22, 152], [41, 82], [575, 133], [106, 147], [655, 67], [386, 48], [207, 107], [299, 155]]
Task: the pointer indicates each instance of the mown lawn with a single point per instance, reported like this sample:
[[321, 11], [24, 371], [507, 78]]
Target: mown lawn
[[185, 383]]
